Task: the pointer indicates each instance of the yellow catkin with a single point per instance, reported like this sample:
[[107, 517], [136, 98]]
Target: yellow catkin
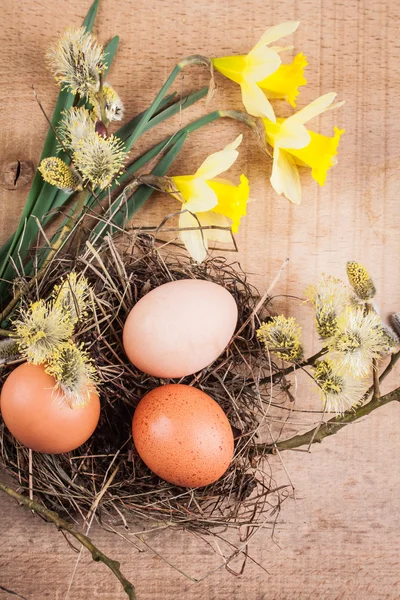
[[339, 390], [77, 61], [56, 172], [40, 330], [74, 372], [281, 335], [360, 280], [100, 160], [72, 296]]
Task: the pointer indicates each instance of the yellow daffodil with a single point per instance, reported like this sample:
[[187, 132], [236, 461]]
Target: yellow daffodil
[[260, 74], [210, 202], [295, 146], [286, 80]]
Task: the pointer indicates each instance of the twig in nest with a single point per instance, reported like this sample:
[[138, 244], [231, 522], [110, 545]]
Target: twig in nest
[[62, 525], [7, 591]]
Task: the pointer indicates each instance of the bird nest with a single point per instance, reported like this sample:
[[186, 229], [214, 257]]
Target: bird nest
[[106, 475]]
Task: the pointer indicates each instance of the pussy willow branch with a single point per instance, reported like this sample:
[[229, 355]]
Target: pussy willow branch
[[54, 248], [321, 431], [377, 391], [306, 363], [97, 555]]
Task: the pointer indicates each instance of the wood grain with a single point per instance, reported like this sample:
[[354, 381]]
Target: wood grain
[[339, 539]]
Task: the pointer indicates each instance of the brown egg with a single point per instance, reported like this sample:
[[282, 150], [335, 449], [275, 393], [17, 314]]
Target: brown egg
[[183, 435], [40, 418], [180, 327]]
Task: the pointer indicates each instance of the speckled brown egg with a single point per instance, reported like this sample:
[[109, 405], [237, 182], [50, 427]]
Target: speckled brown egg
[[40, 418], [183, 435]]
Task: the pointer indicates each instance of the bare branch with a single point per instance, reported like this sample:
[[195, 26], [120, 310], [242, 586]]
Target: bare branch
[[62, 525], [321, 431]]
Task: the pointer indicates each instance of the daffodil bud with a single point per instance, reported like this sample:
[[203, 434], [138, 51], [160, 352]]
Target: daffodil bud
[[360, 280]]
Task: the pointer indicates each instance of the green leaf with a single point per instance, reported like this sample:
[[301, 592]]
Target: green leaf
[[39, 190], [91, 16], [162, 115], [137, 132], [175, 108], [110, 51], [126, 130]]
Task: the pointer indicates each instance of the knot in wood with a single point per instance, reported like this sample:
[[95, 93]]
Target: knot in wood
[[16, 174]]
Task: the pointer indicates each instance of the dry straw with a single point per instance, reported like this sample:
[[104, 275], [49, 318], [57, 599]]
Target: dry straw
[[105, 478], [247, 494]]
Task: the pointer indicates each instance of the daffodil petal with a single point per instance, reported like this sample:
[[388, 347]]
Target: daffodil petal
[[197, 195], [336, 105], [235, 144], [219, 161], [260, 63], [285, 177], [277, 32], [221, 180], [313, 109], [256, 102], [292, 135], [211, 219], [195, 242], [280, 49]]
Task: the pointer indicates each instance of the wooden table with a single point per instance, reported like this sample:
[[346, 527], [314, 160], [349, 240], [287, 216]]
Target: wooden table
[[339, 538]]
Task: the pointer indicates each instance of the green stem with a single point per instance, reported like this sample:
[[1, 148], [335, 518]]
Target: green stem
[[97, 554], [174, 142], [189, 60]]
